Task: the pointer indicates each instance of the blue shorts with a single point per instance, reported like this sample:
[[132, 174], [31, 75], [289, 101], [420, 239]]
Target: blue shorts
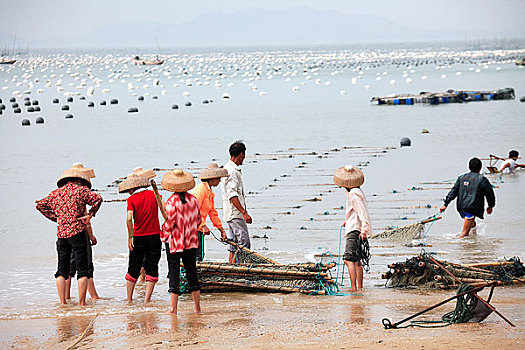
[[466, 215]]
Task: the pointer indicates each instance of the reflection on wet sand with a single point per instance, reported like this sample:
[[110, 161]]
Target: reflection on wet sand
[[146, 322], [69, 328]]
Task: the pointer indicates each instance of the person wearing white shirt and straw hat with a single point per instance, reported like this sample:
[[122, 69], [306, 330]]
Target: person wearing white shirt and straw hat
[[143, 226], [357, 220], [180, 234], [210, 177]]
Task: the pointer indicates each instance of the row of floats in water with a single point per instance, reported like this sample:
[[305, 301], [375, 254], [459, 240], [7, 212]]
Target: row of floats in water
[[450, 96]]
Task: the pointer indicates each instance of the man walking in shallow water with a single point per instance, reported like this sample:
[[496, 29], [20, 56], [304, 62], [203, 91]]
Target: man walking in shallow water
[[471, 189]]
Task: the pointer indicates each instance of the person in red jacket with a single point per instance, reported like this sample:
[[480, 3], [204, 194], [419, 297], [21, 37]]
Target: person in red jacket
[[143, 226], [180, 234], [67, 207]]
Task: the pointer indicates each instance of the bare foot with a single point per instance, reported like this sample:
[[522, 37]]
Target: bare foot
[[463, 235], [172, 312]]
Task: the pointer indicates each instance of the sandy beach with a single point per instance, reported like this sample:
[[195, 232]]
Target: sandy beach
[[276, 321]]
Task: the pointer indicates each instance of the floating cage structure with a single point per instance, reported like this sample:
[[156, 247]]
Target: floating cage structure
[[451, 96]]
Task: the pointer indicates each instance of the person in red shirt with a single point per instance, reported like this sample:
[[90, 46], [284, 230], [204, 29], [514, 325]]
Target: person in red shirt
[[67, 207], [180, 234], [143, 234]]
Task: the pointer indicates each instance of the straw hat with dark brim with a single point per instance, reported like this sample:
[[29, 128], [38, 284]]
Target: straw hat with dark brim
[[133, 181], [89, 171], [213, 172], [178, 181], [147, 173], [349, 177], [71, 174]]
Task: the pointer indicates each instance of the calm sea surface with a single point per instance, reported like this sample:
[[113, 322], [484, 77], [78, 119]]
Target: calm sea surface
[[299, 126]]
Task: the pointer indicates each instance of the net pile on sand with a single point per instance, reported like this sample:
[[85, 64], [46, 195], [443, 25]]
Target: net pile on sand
[[423, 272]]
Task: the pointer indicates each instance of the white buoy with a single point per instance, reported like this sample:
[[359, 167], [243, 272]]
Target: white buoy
[[262, 93], [342, 92], [408, 80], [392, 82], [443, 76], [90, 91], [458, 73], [424, 77], [295, 88]]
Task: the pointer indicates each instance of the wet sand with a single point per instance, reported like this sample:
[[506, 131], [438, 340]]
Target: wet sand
[[275, 321]]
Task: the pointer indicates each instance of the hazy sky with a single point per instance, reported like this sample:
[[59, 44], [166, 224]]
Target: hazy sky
[[39, 19]]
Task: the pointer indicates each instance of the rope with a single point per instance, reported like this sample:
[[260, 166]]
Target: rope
[[463, 312], [435, 216], [363, 254]]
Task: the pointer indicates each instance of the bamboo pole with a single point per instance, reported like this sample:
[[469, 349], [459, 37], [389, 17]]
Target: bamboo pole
[[83, 334], [160, 203], [490, 264], [263, 287], [269, 277], [259, 270]]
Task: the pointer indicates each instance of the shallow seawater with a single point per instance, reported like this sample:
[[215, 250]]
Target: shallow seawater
[[296, 138]]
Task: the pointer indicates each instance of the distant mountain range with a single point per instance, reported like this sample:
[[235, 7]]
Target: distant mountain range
[[298, 26]]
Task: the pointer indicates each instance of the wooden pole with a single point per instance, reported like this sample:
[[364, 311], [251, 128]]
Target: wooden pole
[[259, 270], [160, 203], [263, 287], [477, 296]]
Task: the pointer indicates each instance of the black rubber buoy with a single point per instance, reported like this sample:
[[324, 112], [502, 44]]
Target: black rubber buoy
[[133, 110], [405, 142], [175, 107], [91, 104], [55, 100], [27, 103], [103, 103], [1, 100], [2, 107], [205, 101], [522, 99], [37, 109], [141, 98], [82, 98], [40, 120], [26, 122], [70, 99], [17, 110], [187, 104], [114, 101], [35, 103], [65, 108], [155, 97], [14, 105], [26, 98], [12, 99], [30, 109], [69, 116]]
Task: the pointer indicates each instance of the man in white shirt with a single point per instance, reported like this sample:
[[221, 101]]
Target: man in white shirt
[[234, 203], [510, 164]]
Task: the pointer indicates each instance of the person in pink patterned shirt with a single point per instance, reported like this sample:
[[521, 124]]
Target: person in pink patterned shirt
[[179, 233], [67, 207]]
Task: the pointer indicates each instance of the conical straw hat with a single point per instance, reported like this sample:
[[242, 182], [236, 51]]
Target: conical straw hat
[[89, 171], [178, 181], [133, 181], [147, 173], [213, 172], [73, 174], [349, 177]]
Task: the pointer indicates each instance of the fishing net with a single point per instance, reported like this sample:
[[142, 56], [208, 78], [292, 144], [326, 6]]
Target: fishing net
[[424, 272], [246, 256], [405, 233]]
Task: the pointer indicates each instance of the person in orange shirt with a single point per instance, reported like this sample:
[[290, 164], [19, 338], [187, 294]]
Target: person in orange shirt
[[210, 177]]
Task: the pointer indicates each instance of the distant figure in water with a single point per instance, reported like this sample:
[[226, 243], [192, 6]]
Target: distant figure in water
[[510, 164], [471, 190], [67, 207], [357, 220]]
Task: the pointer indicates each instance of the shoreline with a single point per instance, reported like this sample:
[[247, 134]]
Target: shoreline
[[281, 321]]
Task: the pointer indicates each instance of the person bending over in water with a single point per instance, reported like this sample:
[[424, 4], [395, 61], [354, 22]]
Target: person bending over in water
[[471, 190], [510, 164], [67, 207], [357, 220]]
